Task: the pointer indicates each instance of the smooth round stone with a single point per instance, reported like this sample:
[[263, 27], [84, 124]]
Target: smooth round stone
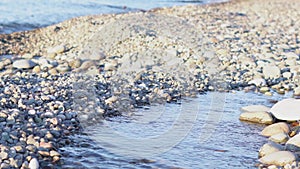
[[271, 72], [53, 71], [272, 167], [63, 68], [280, 138], [27, 56], [255, 108], [23, 64], [280, 91], [3, 116], [7, 62], [87, 64], [109, 66], [264, 89], [44, 153], [269, 148], [287, 109], [257, 117], [279, 158], [75, 63], [46, 145], [297, 91], [3, 155], [293, 144], [54, 153], [92, 71], [257, 82], [56, 158], [5, 166], [290, 62], [276, 128], [2, 65], [4, 136], [291, 56], [36, 69], [56, 49], [49, 115], [268, 94], [34, 164]]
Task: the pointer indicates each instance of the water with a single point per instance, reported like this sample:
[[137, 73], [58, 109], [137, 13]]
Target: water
[[214, 138], [227, 143], [19, 15]]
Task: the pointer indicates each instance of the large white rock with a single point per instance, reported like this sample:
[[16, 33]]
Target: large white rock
[[276, 128], [294, 143], [34, 164], [287, 109], [279, 158], [257, 117], [255, 108], [269, 148], [23, 64]]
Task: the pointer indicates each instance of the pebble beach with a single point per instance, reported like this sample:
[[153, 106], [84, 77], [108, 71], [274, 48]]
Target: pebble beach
[[241, 45]]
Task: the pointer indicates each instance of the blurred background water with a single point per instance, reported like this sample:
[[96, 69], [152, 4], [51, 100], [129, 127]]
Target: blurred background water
[[19, 15]]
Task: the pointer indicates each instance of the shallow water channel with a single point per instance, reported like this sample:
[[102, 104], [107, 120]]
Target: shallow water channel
[[217, 138]]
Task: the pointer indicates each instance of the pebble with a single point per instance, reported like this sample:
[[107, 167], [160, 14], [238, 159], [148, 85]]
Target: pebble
[[280, 138], [276, 128], [74, 63], [27, 56], [271, 72], [264, 89], [34, 164], [36, 69], [46, 145], [56, 49], [293, 144], [54, 153], [63, 68], [44, 153], [257, 117], [297, 91], [279, 158], [3, 155], [258, 82], [270, 148], [23, 64]]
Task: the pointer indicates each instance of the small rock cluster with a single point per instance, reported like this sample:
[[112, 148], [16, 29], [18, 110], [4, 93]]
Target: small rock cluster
[[283, 147]]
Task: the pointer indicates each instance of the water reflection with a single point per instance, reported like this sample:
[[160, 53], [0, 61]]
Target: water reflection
[[233, 144]]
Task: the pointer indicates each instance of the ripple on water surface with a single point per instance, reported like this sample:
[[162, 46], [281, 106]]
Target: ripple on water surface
[[228, 143]]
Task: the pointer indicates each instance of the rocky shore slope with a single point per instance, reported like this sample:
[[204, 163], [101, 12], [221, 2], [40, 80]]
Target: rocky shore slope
[[46, 73]]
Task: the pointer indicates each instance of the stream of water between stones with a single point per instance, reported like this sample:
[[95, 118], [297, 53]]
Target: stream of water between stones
[[230, 143]]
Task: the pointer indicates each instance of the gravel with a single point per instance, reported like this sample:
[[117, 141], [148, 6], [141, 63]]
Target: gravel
[[55, 81]]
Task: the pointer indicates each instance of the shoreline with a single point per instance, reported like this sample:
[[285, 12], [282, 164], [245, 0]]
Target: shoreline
[[245, 45]]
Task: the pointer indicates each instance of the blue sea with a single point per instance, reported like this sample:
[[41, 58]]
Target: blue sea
[[20, 15]]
